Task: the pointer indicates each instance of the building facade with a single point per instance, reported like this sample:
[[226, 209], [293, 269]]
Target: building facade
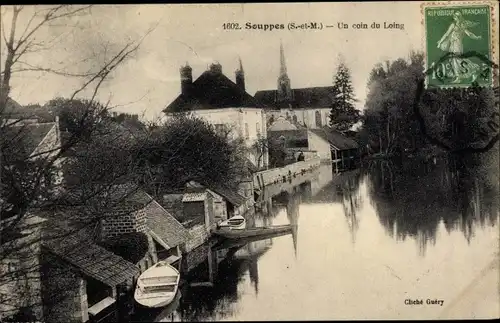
[[225, 104], [308, 107]]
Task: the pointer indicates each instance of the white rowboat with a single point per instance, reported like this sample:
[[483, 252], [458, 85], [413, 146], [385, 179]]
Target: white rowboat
[[237, 222], [157, 286]]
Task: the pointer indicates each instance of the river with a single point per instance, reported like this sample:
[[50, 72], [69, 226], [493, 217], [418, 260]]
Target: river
[[365, 242]]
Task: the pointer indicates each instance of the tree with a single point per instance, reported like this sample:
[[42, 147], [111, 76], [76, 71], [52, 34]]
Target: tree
[[343, 114], [261, 148], [189, 148], [26, 187], [454, 118], [278, 156]]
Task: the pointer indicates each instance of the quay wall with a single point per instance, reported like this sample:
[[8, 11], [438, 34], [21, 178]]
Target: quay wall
[[278, 175]]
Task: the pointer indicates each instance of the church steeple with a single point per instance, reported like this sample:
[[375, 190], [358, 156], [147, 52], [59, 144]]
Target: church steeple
[[240, 76], [282, 60], [284, 93]]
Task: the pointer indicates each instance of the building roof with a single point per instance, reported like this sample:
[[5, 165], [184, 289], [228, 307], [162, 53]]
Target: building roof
[[14, 110], [194, 197], [164, 227], [27, 137], [78, 249], [119, 197], [335, 138], [212, 90], [282, 123], [303, 98], [289, 135], [230, 195]]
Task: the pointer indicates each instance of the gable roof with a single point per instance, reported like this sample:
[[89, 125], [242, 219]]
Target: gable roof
[[289, 135], [77, 248], [281, 123], [212, 90], [230, 195], [303, 98], [163, 227], [27, 137], [335, 138], [120, 198], [14, 110]]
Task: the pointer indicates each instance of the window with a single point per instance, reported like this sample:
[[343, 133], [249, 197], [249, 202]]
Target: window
[[219, 129], [294, 118], [247, 134], [257, 128], [318, 119]]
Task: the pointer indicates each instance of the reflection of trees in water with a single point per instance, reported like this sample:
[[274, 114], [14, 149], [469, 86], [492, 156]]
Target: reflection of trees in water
[[208, 303], [413, 198], [347, 191], [201, 303]]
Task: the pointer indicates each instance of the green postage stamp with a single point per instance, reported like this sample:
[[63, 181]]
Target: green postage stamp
[[458, 41]]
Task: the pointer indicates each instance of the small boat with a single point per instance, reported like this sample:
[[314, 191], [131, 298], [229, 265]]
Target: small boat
[[237, 222], [160, 314], [157, 286], [254, 232]]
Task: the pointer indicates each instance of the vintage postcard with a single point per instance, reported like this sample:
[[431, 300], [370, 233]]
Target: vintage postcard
[[249, 162]]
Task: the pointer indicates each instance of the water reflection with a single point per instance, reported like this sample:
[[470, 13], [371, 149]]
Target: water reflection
[[414, 198], [357, 230]]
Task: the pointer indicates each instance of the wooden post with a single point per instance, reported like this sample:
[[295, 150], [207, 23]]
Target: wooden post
[[336, 161], [342, 158]]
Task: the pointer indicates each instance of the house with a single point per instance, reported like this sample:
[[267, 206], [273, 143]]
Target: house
[[281, 123], [24, 144], [139, 212], [201, 208], [80, 279], [20, 281], [309, 107], [18, 114], [304, 141], [90, 264], [223, 103], [344, 150], [34, 141]]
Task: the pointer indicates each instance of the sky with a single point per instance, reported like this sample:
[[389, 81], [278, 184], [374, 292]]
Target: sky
[[147, 82]]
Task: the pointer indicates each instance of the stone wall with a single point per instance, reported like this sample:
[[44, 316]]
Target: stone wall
[[124, 223], [20, 282], [64, 292], [199, 235], [275, 175], [196, 256]]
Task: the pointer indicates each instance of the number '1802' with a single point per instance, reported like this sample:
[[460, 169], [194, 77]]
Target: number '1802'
[[231, 26]]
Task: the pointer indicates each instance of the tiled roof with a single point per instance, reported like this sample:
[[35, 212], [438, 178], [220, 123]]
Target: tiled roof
[[124, 196], [212, 90], [335, 138], [26, 138], [165, 226], [92, 260], [311, 97], [173, 204]]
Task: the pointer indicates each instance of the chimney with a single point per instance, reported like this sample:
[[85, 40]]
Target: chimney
[[240, 77], [186, 78], [215, 68]]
